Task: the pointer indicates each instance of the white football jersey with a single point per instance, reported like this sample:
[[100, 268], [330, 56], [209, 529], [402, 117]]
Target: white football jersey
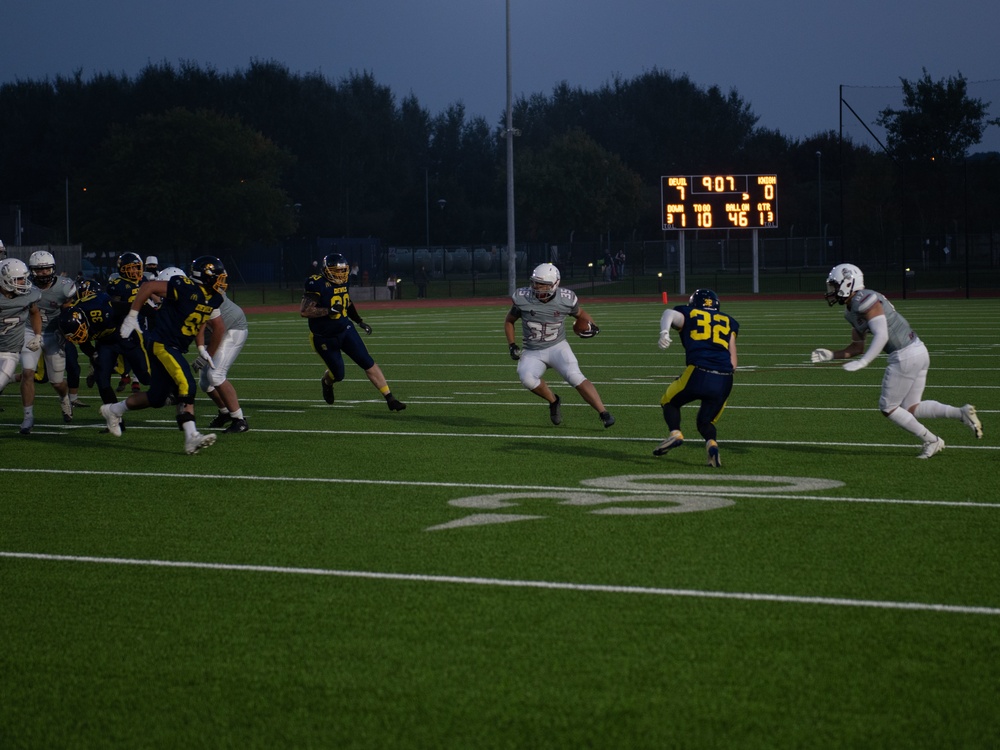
[[13, 315], [543, 324]]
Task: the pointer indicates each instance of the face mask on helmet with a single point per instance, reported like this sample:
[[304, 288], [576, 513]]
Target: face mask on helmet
[[336, 268], [14, 276], [545, 281], [705, 299], [86, 289], [42, 265], [130, 267], [843, 281], [75, 328], [210, 273]]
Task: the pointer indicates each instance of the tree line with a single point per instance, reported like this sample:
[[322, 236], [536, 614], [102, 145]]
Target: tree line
[[189, 159]]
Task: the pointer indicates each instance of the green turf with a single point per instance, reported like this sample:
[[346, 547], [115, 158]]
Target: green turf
[[342, 576]]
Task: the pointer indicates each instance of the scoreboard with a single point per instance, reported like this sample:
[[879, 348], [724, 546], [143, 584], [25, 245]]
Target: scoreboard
[[719, 201]]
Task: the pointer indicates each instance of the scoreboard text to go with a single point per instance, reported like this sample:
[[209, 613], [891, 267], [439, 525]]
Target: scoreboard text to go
[[720, 201]]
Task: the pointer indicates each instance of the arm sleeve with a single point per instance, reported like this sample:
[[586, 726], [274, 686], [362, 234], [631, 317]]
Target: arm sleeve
[[880, 337], [353, 314], [671, 319]]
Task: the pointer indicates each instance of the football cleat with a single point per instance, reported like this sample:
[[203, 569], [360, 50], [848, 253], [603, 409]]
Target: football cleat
[[238, 425], [197, 441], [77, 404], [26, 425], [123, 383], [970, 420], [606, 419], [220, 420], [327, 390], [555, 412], [113, 421], [674, 440], [712, 448], [395, 404], [67, 410], [934, 446]]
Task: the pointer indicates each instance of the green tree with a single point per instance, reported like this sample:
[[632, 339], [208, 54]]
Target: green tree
[[939, 120], [186, 182], [574, 185]]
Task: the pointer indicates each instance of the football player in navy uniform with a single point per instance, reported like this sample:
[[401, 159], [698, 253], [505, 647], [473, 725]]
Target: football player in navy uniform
[[908, 360], [188, 302], [92, 323], [542, 309], [18, 305], [709, 339], [122, 289], [326, 302]]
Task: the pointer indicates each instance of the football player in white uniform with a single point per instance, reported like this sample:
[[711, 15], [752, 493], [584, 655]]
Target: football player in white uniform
[[57, 292], [906, 373], [215, 376], [18, 305], [542, 309]]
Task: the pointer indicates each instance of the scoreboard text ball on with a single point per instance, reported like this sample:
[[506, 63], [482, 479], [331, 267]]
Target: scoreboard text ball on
[[720, 201]]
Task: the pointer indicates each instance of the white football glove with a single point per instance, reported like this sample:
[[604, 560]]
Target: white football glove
[[130, 324], [35, 342], [822, 355], [664, 341], [855, 364], [204, 359]]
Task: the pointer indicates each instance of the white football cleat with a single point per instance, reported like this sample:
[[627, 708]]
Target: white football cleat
[[113, 421], [194, 443], [934, 446], [970, 420]]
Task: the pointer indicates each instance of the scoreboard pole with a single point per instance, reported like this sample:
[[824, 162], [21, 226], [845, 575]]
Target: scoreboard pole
[[682, 265], [756, 268]]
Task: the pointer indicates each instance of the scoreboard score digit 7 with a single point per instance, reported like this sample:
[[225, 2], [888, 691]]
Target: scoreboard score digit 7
[[719, 201]]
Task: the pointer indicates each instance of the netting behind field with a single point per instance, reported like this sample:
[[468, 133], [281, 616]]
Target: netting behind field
[[861, 105]]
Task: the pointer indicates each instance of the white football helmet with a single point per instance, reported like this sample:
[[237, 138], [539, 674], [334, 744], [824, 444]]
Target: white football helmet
[[42, 265], [14, 276], [545, 281], [843, 281], [168, 273], [3, 251]]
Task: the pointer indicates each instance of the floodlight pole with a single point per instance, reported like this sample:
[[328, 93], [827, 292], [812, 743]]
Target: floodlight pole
[[509, 134]]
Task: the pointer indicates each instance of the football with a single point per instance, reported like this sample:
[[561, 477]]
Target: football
[[585, 327]]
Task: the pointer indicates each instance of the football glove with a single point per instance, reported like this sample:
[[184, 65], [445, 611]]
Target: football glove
[[365, 327], [822, 355], [515, 351], [204, 360], [337, 308], [664, 341], [591, 331], [35, 342], [130, 324], [855, 364]]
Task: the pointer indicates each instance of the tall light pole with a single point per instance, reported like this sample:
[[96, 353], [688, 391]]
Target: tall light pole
[[509, 134], [819, 203]]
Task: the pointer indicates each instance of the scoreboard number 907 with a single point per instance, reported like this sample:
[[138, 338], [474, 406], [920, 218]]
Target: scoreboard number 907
[[719, 201]]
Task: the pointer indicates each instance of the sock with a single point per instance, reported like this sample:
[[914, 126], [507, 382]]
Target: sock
[[934, 409], [238, 414], [189, 428], [119, 408], [224, 410], [384, 390], [29, 412], [909, 423]]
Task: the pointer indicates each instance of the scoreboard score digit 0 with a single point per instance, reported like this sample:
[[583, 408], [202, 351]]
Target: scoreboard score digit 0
[[720, 201]]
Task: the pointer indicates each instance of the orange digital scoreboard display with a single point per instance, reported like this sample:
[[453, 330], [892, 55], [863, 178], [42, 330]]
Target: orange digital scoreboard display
[[719, 201]]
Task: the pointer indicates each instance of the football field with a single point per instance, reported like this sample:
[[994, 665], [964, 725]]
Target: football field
[[464, 574]]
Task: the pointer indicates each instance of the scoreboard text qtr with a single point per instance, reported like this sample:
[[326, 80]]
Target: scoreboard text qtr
[[720, 201]]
